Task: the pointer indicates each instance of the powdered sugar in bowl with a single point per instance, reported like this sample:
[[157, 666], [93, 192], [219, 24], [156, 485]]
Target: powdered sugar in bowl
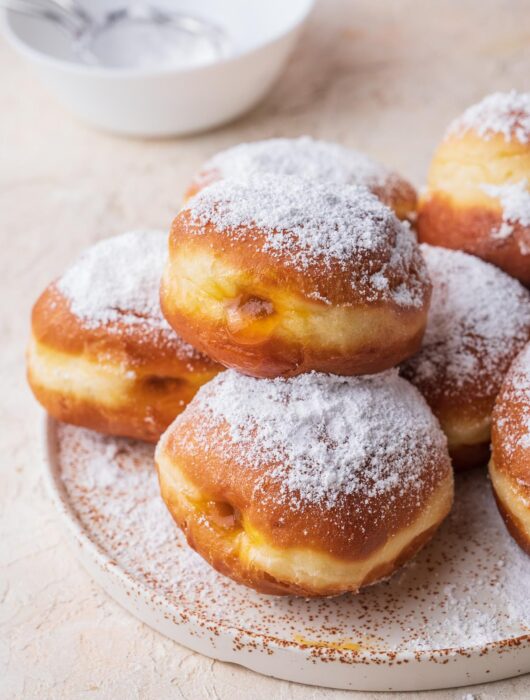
[[181, 84]]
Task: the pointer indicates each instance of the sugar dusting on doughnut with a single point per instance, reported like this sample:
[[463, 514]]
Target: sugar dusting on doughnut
[[328, 436], [317, 225], [509, 467], [319, 161], [515, 202], [117, 280], [479, 317], [517, 390], [506, 113]]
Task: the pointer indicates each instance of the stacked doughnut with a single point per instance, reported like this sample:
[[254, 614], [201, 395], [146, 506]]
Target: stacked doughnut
[[277, 276], [311, 485], [101, 355], [317, 161], [309, 467], [478, 190], [478, 321]]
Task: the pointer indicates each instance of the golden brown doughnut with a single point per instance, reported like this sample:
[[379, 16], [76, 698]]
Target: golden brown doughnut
[[510, 443], [478, 194], [318, 161], [101, 355], [279, 276], [479, 320], [313, 485]]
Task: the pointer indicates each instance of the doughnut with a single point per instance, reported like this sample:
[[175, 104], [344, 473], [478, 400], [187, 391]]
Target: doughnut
[[509, 466], [478, 193], [101, 355], [479, 320], [277, 276], [318, 161], [312, 485]]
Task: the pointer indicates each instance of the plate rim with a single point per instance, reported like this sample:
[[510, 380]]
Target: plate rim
[[57, 493]]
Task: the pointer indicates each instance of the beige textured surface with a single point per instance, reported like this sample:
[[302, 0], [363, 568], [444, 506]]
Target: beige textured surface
[[383, 75]]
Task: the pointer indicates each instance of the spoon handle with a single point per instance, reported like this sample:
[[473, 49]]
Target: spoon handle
[[50, 11], [73, 8]]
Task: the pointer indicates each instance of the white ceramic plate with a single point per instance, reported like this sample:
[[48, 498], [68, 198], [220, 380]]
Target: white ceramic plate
[[458, 614]]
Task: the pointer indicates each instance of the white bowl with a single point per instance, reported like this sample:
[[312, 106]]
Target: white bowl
[[167, 100]]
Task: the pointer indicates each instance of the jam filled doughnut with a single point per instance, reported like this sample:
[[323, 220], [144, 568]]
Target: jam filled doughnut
[[319, 161], [101, 355], [479, 320], [478, 194], [510, 444], [278, 276], [312, 485]]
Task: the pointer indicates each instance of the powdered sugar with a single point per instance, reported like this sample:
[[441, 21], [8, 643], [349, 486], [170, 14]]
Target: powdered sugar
[[118, 280], [318, 161], [115, 468], [326, 435], [472, 582], [525, 440], [515, 201], [517, 389], [478, 320], [305, 225], [506, 113]]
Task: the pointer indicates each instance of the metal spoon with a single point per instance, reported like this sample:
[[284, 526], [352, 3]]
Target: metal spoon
[[85, 28], [52, 11]]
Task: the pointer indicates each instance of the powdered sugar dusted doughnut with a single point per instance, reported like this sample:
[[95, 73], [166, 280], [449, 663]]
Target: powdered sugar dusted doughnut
[[479, 320], [501, 113], [101, 354], [318, 161], [278, 276], [510, 442], [312, 485], [478, 195]]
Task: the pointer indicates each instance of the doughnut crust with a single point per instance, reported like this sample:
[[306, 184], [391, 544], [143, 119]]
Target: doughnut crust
[[510, 442], [479, 320], [121, 371], [313, 485], [478, 194], [319, 161], [279, 276]]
